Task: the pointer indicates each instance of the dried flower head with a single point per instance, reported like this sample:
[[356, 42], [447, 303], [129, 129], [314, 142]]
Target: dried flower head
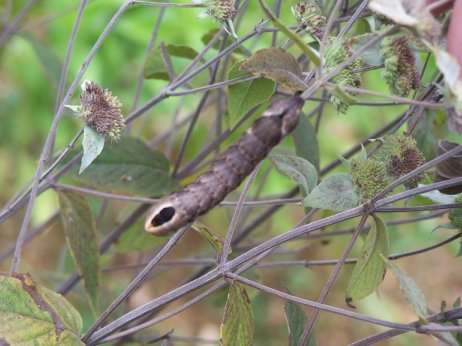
[[309, 16], [455, 215], [400, 72], [337, 51], [401, 156], [370, 177], [101, 110]]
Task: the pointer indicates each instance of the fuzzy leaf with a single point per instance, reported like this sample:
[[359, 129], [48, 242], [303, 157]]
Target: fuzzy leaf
[[129, 167], [296, 321], [306, 141], [411, 291], [80, 231], [370, 269], [93, 144], [242, 97], [298, 169], [450, 68], [213, 239], [394, 10], [237, 327], [34, 315], [437, 197], [278, 65], [371, 56], [336, 192]]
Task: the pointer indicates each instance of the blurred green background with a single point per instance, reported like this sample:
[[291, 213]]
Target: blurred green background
[[30, 67]]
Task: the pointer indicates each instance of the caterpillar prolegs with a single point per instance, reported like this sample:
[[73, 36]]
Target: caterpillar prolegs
[[227, 172]]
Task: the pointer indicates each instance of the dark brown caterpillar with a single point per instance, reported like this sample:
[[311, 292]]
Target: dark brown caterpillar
[[227, 172]]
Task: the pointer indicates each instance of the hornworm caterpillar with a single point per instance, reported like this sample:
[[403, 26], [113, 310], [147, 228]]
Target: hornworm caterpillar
[[227, 172]]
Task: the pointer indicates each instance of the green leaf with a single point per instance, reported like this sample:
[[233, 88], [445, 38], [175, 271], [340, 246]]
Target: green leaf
[[306, 141], [278, 65], [155, 67], [206, 38], [134, 239], [430, 127], [93, 144], [80, 231], [237, 327], [362, 155], [296, 321], [297, 168], [129, 167], [371, 56], [213, 239], [456, 303], [50, 61], [181, 51], [370, 269], [242, 97], [34, 315], [411, 291], [336, 192]]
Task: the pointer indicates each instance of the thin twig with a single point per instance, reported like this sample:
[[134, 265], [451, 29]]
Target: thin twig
[[137, 280], [442, 317], [10, 28], [332, 277], [235, 218], [67, 59], [343, 312], [51, 135], [183, 307]]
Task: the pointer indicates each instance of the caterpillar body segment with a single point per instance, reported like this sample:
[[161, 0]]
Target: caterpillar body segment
[[227, 171]]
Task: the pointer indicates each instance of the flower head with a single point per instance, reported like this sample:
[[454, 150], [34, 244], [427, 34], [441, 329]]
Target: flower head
[[337, 51], [370, 177], [222, 11], [101, 110], [401, 156], [309, 17], [400, 72]]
